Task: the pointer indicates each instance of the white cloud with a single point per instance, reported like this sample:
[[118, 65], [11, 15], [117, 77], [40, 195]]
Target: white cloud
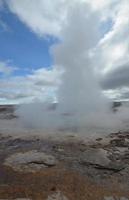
[[48, 77], [6, 68], [112, 52], [114, 46], [43, 17], [118, 94], [40, 86], [100, 4], [49, 17]]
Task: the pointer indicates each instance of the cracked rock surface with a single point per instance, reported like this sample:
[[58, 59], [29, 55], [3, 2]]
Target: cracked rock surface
[[30, 161]]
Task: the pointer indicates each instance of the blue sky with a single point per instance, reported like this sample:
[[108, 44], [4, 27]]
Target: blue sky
[[21, 47]]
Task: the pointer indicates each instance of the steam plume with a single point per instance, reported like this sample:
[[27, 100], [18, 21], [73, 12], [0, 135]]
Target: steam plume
[[80, 100]]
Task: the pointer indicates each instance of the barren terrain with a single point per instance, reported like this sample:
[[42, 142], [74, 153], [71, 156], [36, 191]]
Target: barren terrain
[[63, 168]]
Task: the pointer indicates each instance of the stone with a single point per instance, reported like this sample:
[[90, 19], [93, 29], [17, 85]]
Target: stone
[[30, 161], [99, 139], [115, 198], [122, 149], [109, 198], [95, 157], [119, 142], [98, 158], [57, 196]]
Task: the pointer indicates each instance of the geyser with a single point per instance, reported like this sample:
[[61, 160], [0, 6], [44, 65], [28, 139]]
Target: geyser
[[81, 103]]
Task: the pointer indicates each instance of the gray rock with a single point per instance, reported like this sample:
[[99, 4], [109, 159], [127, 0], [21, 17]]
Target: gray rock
[[57, 196], [122, 150], [116, 166], [116, 198], [119, 142], [98, 158], [30, 161], [109, 198], [95, 157]]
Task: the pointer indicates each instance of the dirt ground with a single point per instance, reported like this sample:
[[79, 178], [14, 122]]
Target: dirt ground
[[75, 181], [39, 186]]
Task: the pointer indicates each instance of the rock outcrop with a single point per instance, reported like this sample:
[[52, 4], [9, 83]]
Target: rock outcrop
[[30, 161]]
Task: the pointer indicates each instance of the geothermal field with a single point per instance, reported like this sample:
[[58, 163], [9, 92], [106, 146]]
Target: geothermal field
[[62, 164], [64, 99]]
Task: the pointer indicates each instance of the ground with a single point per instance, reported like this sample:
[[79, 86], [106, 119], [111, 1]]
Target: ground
[[73, 177], [64, 168]]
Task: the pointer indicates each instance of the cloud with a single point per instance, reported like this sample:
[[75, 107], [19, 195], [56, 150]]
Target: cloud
[[116, 78], [49, 17], [112, 49], [110, 57], [119, 94], [6, 68], [45, 77], [41, 85], [44, 17], [101, 4]]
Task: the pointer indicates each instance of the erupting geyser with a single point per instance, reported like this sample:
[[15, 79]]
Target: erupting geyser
[[80, 100]]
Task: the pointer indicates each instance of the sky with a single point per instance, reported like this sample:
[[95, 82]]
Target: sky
[[29, 31]]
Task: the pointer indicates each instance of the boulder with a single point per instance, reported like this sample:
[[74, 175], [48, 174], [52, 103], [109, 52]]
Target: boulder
[[99, 159], [30, 161]]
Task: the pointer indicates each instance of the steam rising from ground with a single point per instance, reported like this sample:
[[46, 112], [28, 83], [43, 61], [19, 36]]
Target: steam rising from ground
[[81, 103]]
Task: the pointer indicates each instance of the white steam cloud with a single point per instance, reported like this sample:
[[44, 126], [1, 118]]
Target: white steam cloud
[[80, 100]]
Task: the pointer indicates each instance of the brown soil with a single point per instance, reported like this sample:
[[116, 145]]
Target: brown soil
[[39, 185]]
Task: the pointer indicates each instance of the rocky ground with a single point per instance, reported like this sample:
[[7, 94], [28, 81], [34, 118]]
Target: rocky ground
[[66, 168], [72, 169]]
